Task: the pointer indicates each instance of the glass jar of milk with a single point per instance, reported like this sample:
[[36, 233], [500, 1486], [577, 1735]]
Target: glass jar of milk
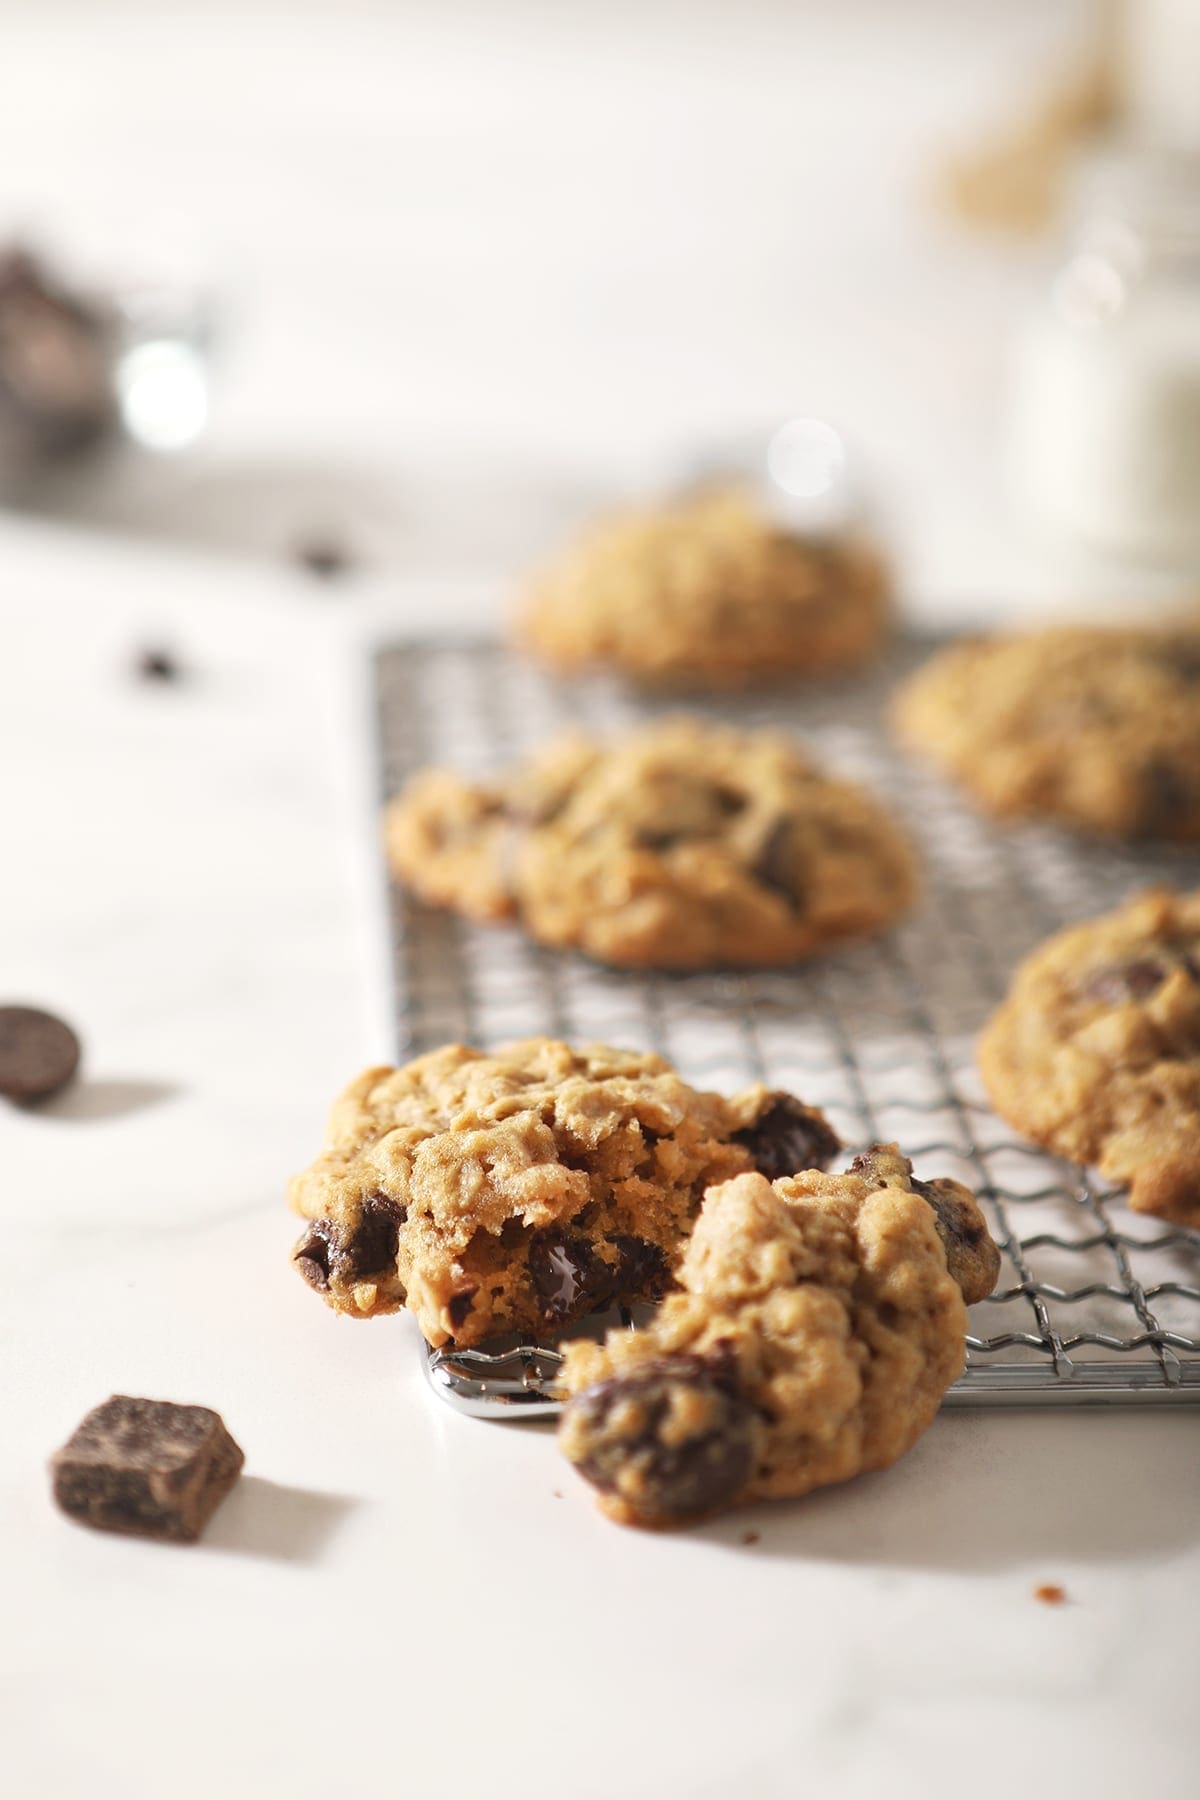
[[1104, 443]]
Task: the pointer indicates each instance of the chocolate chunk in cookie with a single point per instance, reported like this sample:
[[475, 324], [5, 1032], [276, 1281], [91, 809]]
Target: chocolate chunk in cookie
[[148, 1468], [674, 1439], [788, 1136]]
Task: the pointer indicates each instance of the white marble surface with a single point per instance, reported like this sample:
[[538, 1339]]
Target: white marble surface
[[395, 1599]]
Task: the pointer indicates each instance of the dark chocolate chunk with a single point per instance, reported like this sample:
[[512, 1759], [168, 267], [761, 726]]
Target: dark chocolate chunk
[[146, 1467], [157, 665], [568, 1277], [39, 1054], [626, 1435], [641, 1271], [325, 1253], [776, 866], [325, 557], [1117, 982], [372, 1248], [459, 1306], [56, 389], [971, 1257], [1168, 798], [788, 1136], [312, 1255]]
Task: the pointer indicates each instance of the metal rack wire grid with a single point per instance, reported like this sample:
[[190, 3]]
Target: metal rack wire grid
[[1094, 1304]]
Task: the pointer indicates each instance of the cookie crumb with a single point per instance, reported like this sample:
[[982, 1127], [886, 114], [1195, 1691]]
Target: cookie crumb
[[751, 1537], [557, 1492], [1050, 1594]]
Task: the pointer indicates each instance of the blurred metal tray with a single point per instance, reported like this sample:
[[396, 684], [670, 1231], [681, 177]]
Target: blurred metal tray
[[1094, 1304]]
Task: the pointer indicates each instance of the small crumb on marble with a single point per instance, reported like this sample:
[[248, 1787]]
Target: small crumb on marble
[[325, 557], [557, 1493], [157, 665], [1050, 1594], [751, 1537]]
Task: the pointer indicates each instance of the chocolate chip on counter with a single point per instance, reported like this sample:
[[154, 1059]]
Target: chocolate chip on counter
[[629, 1435], [149, 1468], [324, 557], [1117, 982], [157, 665], [39, 1054], [788, 1136]]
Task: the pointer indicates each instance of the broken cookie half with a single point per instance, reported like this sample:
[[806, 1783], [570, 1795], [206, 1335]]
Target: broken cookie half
[[522, 1190], [821, 1320]]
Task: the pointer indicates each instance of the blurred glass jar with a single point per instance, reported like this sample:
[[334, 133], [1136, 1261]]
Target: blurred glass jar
[[1104, 428]]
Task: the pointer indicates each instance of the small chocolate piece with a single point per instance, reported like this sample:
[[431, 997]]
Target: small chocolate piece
[[568, 1277], [458, 1307], [775, 864], [39, 1054], [971, 1257], [146, 1467], [157, 665], [324, 557], [641, 1271], [673, 1439], [322, 1255], [788, 1136], [1118, 982]]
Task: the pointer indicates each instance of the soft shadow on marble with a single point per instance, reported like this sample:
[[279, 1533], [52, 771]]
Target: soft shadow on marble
[[288, 1524], [968, 1499], [85, 1101]]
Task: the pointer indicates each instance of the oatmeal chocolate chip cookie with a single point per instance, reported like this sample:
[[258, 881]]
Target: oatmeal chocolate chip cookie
[[680, 846], [817, 1329], [1095, 727], [523, 1190], [707, 593], [1096, 1051]]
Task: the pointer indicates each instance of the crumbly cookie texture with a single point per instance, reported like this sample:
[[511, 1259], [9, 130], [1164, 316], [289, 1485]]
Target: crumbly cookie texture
[[707, 593], [1097, 728], [679, 846], [1096, 1051], [523, 1190], [819, 1325]]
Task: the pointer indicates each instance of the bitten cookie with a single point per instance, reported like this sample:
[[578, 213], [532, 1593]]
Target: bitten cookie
[[679, 846], [708, 593], [1096, 1051], [520, 1191], [822, 1318], [1096, 728]]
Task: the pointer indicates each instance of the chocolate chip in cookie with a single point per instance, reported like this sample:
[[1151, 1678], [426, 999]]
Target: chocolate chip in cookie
[[788, 1136], [674, 1439]]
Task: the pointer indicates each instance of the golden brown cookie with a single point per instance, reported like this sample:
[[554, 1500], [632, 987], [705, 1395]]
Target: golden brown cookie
[[817, 1330], [1096, 1051], [707, 593], [522, 1190], [679, 846], [1096, 728]]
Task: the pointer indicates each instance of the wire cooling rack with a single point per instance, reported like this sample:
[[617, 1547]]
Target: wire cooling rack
[[1094, 1304]]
